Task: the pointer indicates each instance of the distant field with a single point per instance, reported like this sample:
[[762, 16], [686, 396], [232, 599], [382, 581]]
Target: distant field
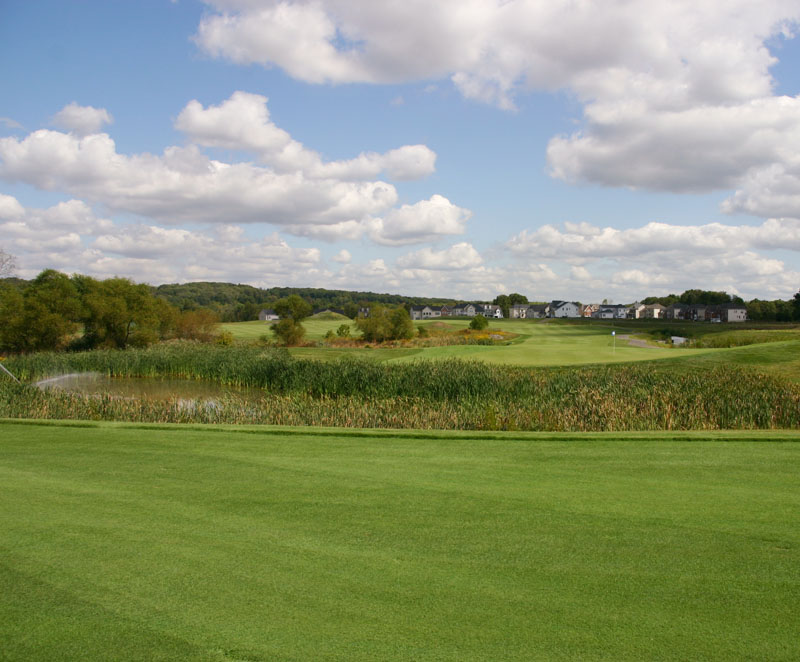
[[133, 542]]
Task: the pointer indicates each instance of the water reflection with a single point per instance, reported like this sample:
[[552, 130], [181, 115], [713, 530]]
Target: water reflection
[[92, 383]]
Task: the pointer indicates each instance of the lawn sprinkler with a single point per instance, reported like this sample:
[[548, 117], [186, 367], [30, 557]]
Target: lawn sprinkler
[[5, 370]]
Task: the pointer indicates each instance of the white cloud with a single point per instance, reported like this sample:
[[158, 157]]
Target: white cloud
[[242, 123], [677, 95], [291, 187], [343, 257], [424, 221], [82, 120], [457, 257]]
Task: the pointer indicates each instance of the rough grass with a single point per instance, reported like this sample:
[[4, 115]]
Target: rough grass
[[424, 394], [132, 542]]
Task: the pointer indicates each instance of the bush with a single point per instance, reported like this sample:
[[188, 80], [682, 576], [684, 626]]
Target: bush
[[479, 323]]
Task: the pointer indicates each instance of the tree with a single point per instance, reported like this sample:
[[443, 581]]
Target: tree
[[343, 331], [402, 328], [118, 313], [7, 264], [43, 317], [478, 323], [504, 301], [796, 306], [515, 298], [386, 324], [292, 311]]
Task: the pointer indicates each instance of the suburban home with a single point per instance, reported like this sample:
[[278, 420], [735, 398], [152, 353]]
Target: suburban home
[[727, 312], [363, 311], [268, 315], [611, 311], [519, 311], [677, 311], [589, 310], [467, 310], [424, 312], [446, 311], [696, 313], [490, 310], [654, 311], [564, 309], [538, 311], [636, 310]]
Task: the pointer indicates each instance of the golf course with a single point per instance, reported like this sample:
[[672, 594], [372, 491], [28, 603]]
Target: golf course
[[564, 493], [133, 542]]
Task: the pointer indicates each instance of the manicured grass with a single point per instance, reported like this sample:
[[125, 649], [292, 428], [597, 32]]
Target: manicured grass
[[315, 328], [136, 542]]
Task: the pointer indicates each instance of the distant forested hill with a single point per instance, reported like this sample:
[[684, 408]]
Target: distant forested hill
[[237, 303]]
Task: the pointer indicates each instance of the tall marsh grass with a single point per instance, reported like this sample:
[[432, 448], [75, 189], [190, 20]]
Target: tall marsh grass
[[448, 394]]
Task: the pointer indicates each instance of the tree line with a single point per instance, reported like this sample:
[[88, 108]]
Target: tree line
[[55, 311]]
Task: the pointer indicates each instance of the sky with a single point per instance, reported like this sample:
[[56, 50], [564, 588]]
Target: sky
[[562, 149]]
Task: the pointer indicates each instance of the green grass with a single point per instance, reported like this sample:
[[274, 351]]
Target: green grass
[[152, 543]]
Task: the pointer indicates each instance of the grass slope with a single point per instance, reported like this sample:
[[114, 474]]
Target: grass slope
[[141, 542]]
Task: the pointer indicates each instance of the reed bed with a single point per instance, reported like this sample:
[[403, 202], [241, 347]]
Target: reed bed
[[449, 395]]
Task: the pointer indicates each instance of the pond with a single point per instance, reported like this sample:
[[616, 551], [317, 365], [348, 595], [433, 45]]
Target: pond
[[92, 383]]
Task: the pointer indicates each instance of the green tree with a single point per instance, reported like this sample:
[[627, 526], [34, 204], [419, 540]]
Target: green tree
[[479, 323], [402, 328], [796, 306], [120, 313], [43, 317], [292, 311], [515, 298], [385, 324], [343, 331], [504, 301]]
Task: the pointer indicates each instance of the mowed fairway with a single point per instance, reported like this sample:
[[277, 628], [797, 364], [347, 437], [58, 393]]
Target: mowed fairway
[[141, 542]]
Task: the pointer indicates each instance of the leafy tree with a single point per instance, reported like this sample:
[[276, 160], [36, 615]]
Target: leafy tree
[[504, 301], [478, 323], [386, 324], [376, 327], [43, 317], [796, 306], [402, 328], [292, 311], [514, 298], [198, 324], [343, 331], [119, 313]]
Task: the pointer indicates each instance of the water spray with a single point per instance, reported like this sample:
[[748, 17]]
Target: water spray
[[5, 370]]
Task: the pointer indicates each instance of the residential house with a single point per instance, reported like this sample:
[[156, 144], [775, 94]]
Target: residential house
[[490, 310], [654, 311], [519, 311], [727, 312], [465, 310], [268, 315], [677, 311], [589, 310], [424, 312], [564, 309], [538, 311], [636, 310]]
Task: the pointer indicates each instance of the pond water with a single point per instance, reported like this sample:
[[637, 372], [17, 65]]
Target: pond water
[[92, 383]]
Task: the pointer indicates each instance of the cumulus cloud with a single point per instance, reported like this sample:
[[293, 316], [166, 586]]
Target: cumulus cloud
[[290, 186], [677, 96], [82, 120], [242, 123], [458, 256], [424, 221]]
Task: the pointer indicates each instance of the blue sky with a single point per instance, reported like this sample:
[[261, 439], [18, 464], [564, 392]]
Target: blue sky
[[457, 149]]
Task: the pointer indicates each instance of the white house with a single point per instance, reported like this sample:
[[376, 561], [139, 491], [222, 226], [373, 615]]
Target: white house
[[564, 309], [424, 312], [268, 315]]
